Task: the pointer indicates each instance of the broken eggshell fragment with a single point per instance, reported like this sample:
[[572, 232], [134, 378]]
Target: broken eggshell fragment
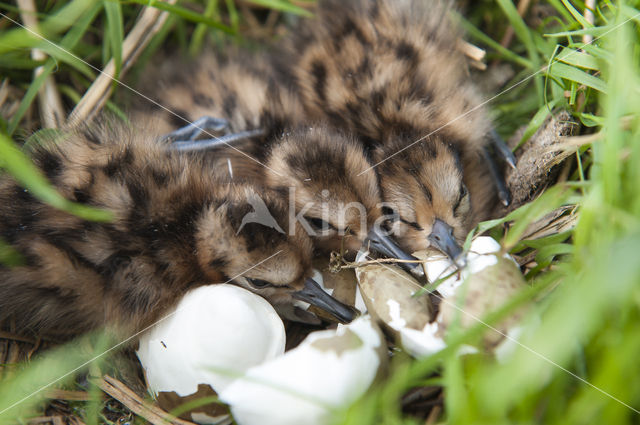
[[213, 336], [393, 297], [491, 279], [312, 383]]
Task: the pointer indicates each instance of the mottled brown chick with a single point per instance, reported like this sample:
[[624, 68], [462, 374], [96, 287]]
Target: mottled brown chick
[[177, 225], [389, 72], [332, 189], [326, 174]]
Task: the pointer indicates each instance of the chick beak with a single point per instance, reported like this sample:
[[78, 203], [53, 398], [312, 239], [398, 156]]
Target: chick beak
[[316, 296], [442, 238], [386, 246]]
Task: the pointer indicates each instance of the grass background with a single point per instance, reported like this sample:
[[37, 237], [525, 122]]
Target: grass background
[[581, 343]]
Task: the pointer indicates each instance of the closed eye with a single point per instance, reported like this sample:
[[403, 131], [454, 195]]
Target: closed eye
[[259, 283], [394, 216], [320, 224], [412, 224], [463, 194]]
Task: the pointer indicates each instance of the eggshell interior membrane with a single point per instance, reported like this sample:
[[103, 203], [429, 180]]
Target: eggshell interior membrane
[[491, 280], [214, 335], [309, 384], [390, 296]]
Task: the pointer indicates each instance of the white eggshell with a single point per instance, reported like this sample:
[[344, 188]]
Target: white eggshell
[[307, 385], [481, 255], [215, 334]]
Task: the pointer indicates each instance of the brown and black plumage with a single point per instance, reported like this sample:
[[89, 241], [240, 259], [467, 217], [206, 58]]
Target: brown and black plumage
[[177, 225], [386, 73], [328, 178], [237, 86], [324, 172], [389, 72]]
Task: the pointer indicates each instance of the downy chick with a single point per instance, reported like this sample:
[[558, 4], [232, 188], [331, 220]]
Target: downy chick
[[331, 186], [389, 72], [176, 226], [326, 175]]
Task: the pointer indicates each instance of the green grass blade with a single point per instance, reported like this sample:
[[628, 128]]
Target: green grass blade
[[551, 199], [595, 32], [561, 10], [283, 6], [68, 42], [234, 16], [21, 38], [595, 51], [63, 55], [524, 34], [185, 14], [210, 11], [12, 61], [21, 394], [115, 32], [14, 161], [579, 59], [571, 73], [577, 15], [483, 38]]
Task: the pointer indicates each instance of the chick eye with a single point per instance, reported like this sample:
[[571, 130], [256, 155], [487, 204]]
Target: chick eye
[[463, 194], [320, 225], [393, 216], [463, 191], [259, 283]]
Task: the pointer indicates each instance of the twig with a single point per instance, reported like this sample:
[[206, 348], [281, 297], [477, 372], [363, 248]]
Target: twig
[[433, 415], [51, 110], [150, 22], [55, 420], [338, 263], [573, 142], [131, 401], [57, 394]]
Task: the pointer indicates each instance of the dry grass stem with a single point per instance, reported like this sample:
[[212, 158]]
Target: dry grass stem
[[55, 420], [49, 102], [589, 5], [150, 22], [131, 401], [474, 53], [57, 394]]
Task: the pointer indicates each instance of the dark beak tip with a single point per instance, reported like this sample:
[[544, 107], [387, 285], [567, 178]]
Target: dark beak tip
[[442, 238], [316, 296], [387, 246]]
